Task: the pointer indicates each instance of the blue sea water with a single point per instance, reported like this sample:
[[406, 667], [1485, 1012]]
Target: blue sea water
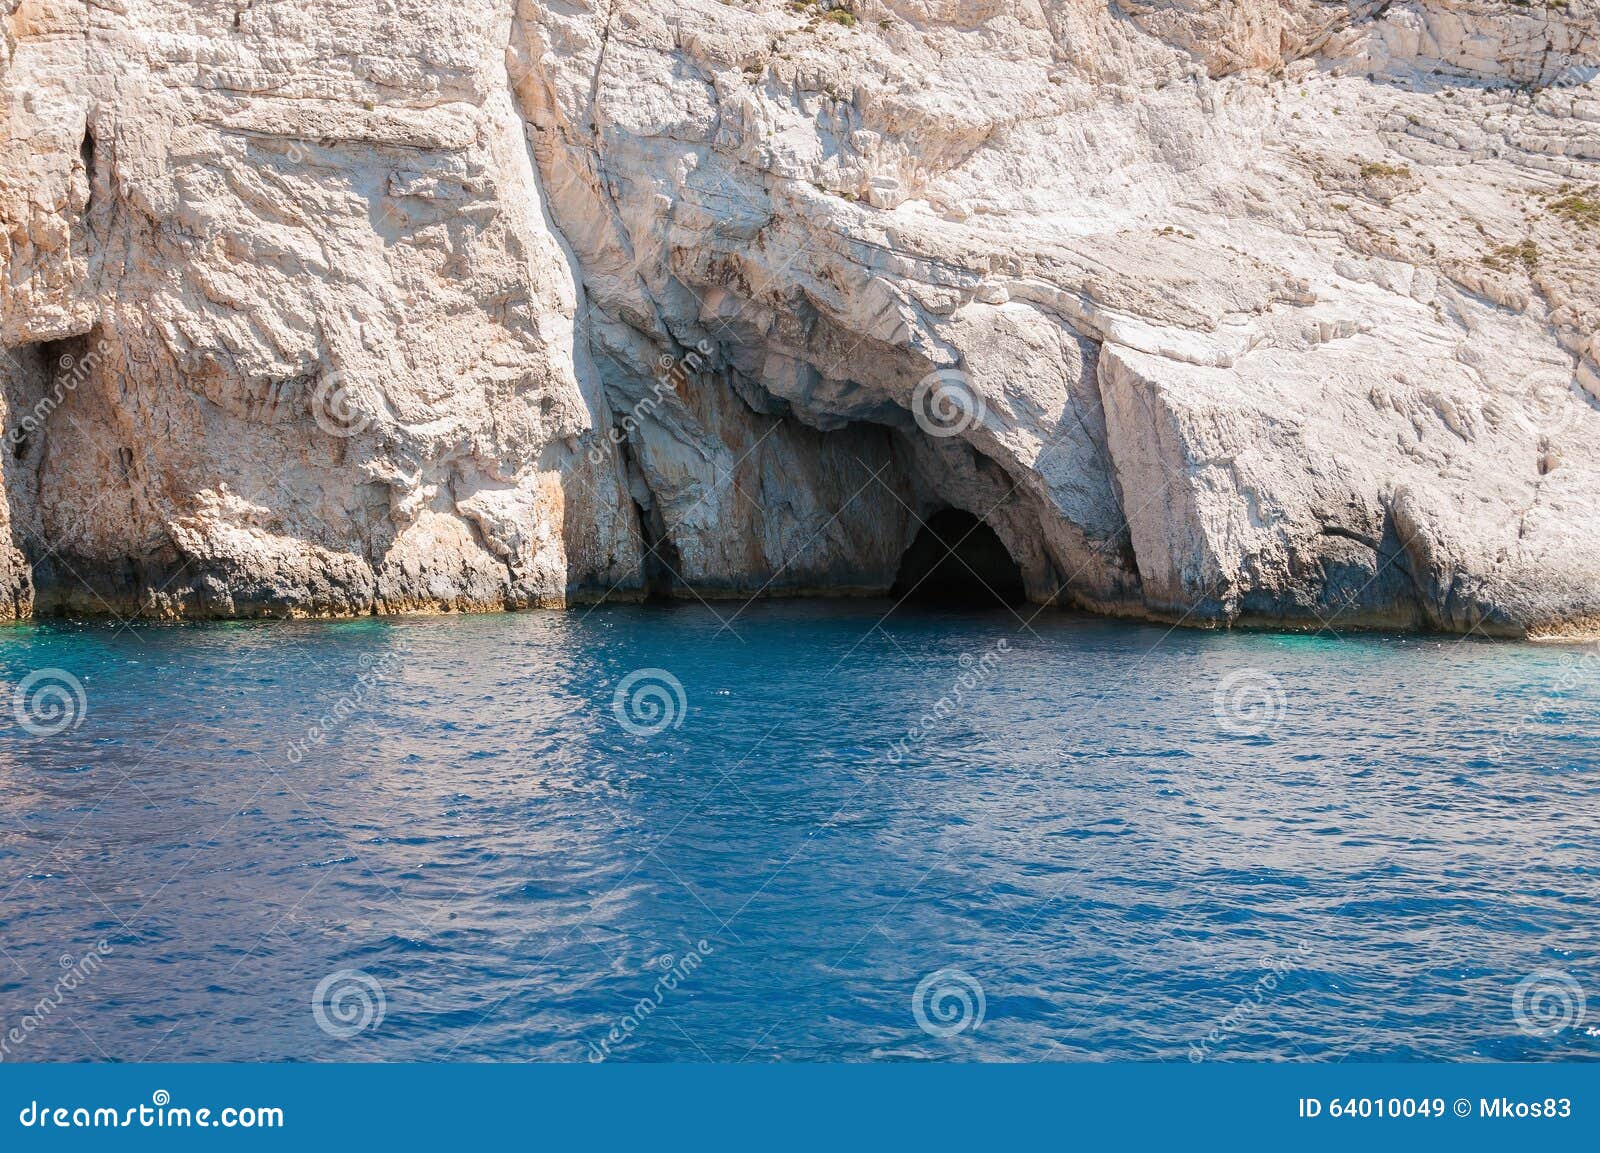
[[815, 834]]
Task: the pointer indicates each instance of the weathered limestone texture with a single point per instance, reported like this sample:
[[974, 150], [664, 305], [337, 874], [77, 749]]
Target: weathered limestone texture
[[1215, 311]]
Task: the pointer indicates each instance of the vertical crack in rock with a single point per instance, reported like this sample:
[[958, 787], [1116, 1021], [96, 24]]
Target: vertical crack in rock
[[659, 560], [25, 375], [86, 157]]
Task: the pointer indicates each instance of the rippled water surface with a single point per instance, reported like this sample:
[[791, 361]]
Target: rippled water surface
[[1133, 844]]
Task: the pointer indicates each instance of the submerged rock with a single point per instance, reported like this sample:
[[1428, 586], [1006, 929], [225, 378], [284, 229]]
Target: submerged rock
[[1255, 311]]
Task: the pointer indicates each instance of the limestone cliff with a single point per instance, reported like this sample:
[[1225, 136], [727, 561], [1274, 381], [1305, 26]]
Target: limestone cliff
[[1213, 310]]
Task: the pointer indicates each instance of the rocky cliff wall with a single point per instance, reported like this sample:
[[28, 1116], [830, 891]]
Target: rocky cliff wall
[[1259, 312]]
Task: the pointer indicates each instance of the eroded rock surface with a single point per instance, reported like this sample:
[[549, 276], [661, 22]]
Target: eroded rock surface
[[1259, 311]]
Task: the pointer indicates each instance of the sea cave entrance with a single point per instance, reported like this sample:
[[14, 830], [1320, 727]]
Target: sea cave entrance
[[958, 562]]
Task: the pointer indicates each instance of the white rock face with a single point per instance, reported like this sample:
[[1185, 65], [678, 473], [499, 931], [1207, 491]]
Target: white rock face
[[1256, 311]]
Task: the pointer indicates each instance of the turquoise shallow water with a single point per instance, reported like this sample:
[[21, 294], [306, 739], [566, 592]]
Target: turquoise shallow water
[[929, 837]]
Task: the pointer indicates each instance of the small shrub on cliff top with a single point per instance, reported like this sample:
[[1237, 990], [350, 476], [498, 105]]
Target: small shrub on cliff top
[[1525, 254], [1578, 206], [1377, 170], [824, 11]]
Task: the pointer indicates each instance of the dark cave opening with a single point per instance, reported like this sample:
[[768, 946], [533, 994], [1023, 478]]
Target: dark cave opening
[[958, 562], [661, 560]]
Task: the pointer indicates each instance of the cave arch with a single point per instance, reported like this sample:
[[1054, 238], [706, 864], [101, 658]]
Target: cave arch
[[957, 561]]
